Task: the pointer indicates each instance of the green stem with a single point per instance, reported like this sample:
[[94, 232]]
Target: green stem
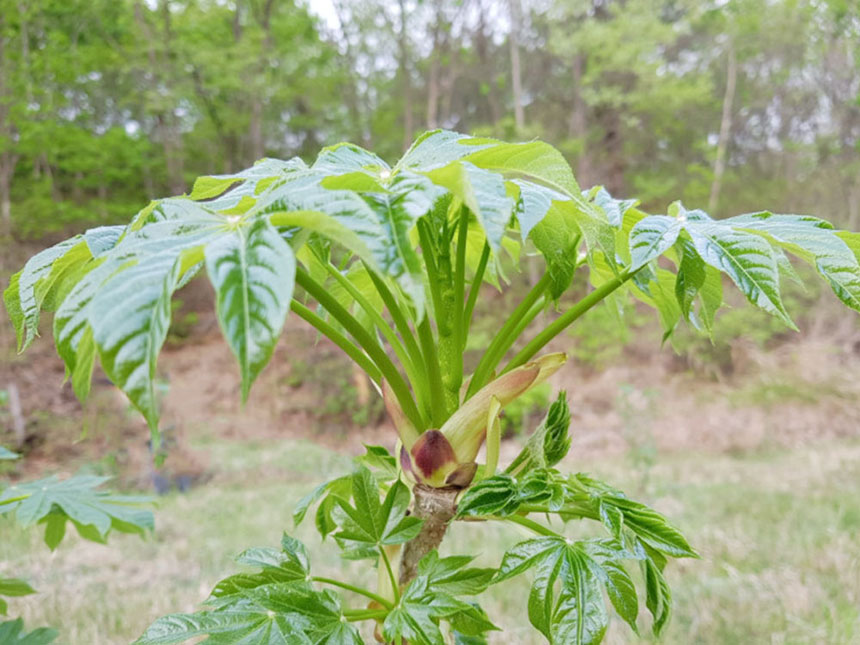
[[447, 312], [474, 290], [367, 342], [504, 339], [459, 292], [540, 529], [418, 380], [399, 318], [353, 615], [395, 587], [359, 590], [434, 372], [428, 251], [579, 511], [558, 325], [350, 348]]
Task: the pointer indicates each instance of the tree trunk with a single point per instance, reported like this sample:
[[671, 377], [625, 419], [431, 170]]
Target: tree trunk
[[15, 411], [7, 158], [408, 124], [725, 129], [433, 79], [256, 134], [577, 126], [482, 49], [165, 130], [516, 72], [613, 144], [352, 96], [7, 168]]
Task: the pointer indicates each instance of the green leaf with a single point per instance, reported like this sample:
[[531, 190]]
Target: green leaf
[[12, 633], [125, 301], [12, 302], [289, 564], [557, 237], [438, 148], [94, 512], [129, 317], [430, 597], [483, 192], [302, 506], [26, 292], [615, 209], [606, 561], [410, 197], [814, 241], [586, 626], [449, 575], [746, 258], [346, 158], [495, 495], [370, 523], [580, 568], [647, 524], [14, 587], [524, 556], [373, 225], [382, 463], [658, 596], [253, 271], [226, 192], [245, 621], [651, 237], [535, 161]]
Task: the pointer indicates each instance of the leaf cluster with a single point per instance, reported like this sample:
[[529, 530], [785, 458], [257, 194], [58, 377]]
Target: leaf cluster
[[94, 513]]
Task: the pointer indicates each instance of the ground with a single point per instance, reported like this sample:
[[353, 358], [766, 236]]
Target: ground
[[758, 464]]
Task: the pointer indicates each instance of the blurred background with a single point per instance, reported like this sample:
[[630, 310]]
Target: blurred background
[[750, 442]]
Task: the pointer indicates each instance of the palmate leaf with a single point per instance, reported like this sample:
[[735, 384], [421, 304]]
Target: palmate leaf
[[431, 598], [368, 523], [576, 614], [12, 633], [648, 525], [94, 513], [273, 605], [289, 564], [245, 621]]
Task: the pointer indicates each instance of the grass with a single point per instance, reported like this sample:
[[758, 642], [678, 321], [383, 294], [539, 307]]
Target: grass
[[777, 532]]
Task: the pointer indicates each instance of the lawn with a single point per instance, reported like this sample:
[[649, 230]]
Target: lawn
[[778, 534]]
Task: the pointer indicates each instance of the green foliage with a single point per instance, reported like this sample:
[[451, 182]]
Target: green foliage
[[53, 502], [366, 525], [12, 633], [13, 588], [7, 455], [94, 513], [395, 256]]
